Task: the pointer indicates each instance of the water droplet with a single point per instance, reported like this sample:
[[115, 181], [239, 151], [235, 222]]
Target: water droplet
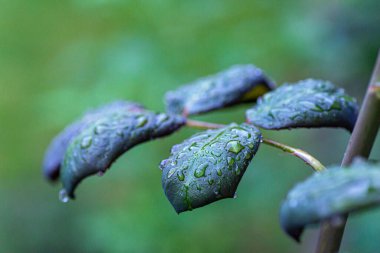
[[193, 146], [162, 117], [141, 121], [219, 172], [163, 163], [234, 147], [86, 142], [248, 156], [63, 196], [216, 153], [171, 171], [99, 129], [241, 132], [230, 161], [335, 106], [201, 171], [120, 133], [235, 195], [317, 108], [180, 175]]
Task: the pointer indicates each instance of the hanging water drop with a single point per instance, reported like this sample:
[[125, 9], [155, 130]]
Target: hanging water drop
[[63, 197]]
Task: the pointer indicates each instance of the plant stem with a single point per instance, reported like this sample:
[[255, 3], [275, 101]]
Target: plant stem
[[360, 144], [202, 124], [303, 155]]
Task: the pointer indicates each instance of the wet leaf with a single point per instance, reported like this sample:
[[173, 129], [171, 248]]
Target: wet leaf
[[329, 194], [208, 166], [102, 142], [57, 148], [238, 84], [308, 103]]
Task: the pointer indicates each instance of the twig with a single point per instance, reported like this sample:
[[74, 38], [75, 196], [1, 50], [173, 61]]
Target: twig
[[303, 155], [202, 124]]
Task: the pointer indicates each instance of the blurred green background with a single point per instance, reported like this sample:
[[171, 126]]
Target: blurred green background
[[58, 58]]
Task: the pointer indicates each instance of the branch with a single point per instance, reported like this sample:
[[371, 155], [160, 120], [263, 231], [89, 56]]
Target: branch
[[360, 144]]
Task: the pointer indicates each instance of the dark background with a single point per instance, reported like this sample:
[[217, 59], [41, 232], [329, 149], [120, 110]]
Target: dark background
[[58, 58]]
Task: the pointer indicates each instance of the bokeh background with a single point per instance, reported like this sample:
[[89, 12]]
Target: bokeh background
[[59, 58]]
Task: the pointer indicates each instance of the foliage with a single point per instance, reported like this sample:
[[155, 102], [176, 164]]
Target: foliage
[[209, 165]]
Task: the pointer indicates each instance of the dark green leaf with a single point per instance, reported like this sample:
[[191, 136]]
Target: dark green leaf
[[102, 142], [208, 166], [238, 84], [308, 103], [329, 194], [57, 148]]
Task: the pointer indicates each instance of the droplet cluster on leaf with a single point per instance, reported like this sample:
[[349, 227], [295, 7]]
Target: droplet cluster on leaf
[[331, 193], [238, 84], [308, 103], [208, 166]]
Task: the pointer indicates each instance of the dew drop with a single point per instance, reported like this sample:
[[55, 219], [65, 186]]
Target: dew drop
[[120, 133], [234, 147], [235, 195], [86, 142], [63, 196], [141, 121], [180, 175], [163, 164], [99, 129], [201, 171], [230, 161], [241, 132], [248, 156], [171, 172], [162, 117]]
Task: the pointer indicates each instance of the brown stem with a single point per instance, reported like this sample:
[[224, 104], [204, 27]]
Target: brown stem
[[303, 155], [360, 144], [202, 124]]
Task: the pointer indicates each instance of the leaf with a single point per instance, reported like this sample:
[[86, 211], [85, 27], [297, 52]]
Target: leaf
[[329, 194], [208, 166], [308, 103], [57, 148], [102, 142], [238, 84]]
